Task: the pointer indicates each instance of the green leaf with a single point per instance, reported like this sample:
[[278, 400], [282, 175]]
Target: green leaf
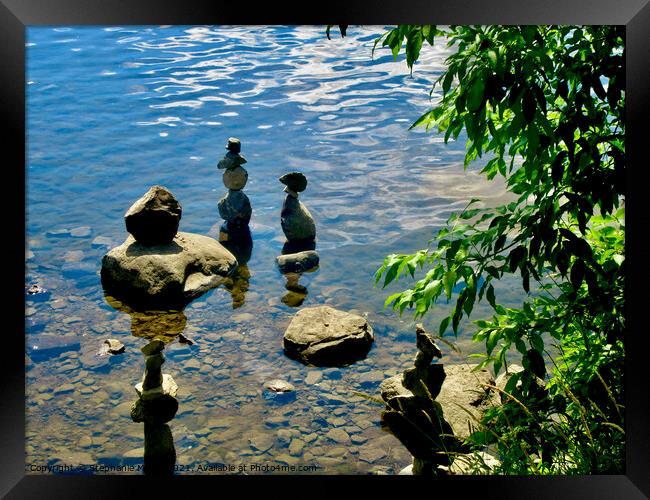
[[493, 271], [489, 295], [446, 82], [577, 273], [449, 280], [534, 362], [529, 105], [475, 94], [493, 57], [492, 340], [391, 274], [391, 299], [444, 324], [516, 256]]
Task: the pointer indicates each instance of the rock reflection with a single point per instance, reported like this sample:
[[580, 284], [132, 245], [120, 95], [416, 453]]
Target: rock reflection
[[153, 325], [297, 258], [240, 244], [155, 407]]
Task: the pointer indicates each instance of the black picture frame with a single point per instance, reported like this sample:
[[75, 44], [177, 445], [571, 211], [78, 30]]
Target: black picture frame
[[16, 15]]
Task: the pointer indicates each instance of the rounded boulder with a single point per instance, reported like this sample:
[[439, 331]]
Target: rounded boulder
[[324, 336]]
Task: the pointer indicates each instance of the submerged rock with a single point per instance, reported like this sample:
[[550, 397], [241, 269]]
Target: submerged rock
[[326, 336], [169, 274], [277, 385], [298, 262], [35, 289], [154, 218]]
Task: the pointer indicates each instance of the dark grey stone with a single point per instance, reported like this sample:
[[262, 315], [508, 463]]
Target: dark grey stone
[[296, 221], [154, 218], [235, 208], [298, 262], [296, 181]]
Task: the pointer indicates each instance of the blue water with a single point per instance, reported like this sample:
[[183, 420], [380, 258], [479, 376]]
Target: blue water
[[112, 111]]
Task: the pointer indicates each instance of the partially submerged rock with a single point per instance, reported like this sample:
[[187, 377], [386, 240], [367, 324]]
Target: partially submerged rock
[[166, 275], [154, 218], [112, 346], [298, 262], [324, 336], [277, 385]]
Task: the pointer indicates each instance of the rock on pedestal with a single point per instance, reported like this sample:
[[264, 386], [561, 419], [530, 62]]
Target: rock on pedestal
[[154, 218], [324, 336]]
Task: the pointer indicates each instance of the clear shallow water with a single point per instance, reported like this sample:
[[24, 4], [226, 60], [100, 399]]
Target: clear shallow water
[[114, 110]]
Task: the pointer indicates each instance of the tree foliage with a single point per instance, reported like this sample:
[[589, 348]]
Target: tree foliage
[[544, 107]]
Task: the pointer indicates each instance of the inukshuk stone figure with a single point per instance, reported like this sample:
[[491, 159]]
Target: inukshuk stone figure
[[235, 207], [413, 415], [296, 221], [299, 252], [156, 405], [154, 384]]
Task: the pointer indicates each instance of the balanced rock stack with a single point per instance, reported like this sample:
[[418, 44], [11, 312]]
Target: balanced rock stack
[[158, 266], [234, 207], [431, 408], [297, 223], [156, 405], [413, 415], [299, 252], [156, 392]]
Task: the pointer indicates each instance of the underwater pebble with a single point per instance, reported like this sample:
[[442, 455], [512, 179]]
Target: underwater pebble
[[80, 231], [296, 447], [102, 241], [313, 377], [62, 389], [134, 453], [338, 436], [73, 256], [192, 364]]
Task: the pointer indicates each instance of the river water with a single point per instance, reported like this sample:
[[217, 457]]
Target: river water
[[112, 111]]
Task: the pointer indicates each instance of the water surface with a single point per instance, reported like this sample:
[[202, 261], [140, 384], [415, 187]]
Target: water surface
[[112, 111]]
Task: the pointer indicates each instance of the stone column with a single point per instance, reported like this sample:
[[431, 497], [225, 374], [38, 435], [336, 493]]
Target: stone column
[[156, 405], [234, 207]]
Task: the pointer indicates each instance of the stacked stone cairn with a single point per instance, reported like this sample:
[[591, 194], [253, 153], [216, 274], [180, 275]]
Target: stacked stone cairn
[[432, 419], [234, 207], [413, 415], [299, 252], [156, 405], [157, 265]]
